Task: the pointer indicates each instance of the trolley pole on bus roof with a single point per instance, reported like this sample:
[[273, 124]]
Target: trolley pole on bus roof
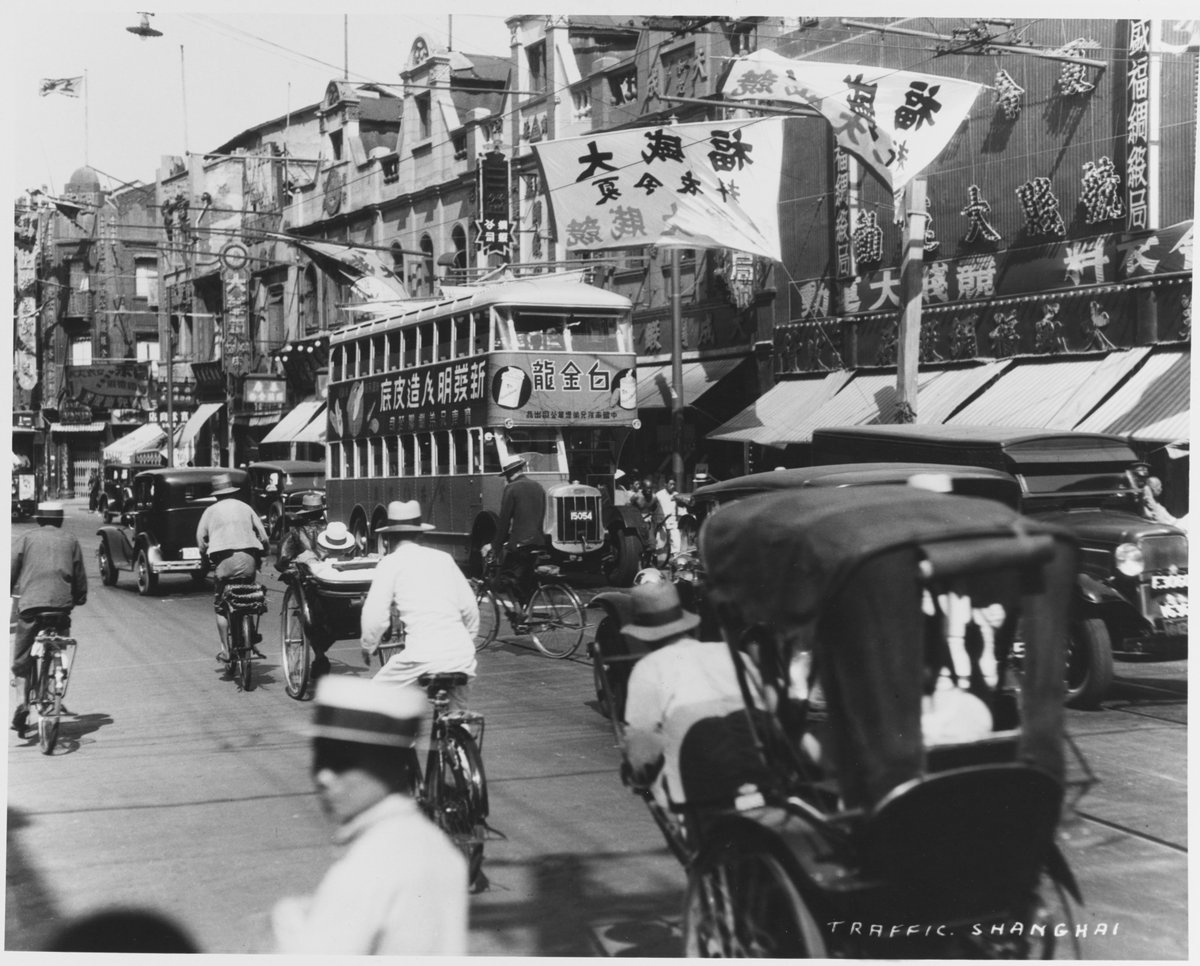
[[677, 400]]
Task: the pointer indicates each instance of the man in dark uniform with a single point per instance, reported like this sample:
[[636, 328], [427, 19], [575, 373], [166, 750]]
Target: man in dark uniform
[[519, 530], [47, 575]]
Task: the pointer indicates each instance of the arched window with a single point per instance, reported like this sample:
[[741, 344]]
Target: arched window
[[428, 285], [458, 238], [310, 314]]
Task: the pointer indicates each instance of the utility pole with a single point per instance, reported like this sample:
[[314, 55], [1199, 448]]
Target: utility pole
[[908, 345], [677, 400]]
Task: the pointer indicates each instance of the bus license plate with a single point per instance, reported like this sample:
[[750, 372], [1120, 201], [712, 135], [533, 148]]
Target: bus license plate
[[1173, 606], [191, 553]]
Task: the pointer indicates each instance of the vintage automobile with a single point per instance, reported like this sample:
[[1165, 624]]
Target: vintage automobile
[[611, 653], [278, 486], [1131, 594], [117, 489], [157, 534]]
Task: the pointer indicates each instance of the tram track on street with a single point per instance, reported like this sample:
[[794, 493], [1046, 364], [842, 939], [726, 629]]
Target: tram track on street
[[1130, 831]]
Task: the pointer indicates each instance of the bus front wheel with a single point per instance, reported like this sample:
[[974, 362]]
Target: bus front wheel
[[625, 555]]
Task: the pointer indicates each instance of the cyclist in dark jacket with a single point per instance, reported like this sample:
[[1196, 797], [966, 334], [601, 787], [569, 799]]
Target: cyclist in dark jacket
[[519, 530], [47, 575]]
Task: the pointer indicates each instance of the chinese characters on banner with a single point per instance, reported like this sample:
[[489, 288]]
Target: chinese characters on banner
[[708, 185], [895, 122], [1137, 177]]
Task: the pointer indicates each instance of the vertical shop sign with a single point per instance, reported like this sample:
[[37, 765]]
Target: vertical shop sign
[[1138, 126], [236, 342], [841, 207], [494, 229]]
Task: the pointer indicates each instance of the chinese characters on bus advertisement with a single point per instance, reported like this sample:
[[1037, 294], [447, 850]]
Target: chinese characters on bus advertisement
[[896, 122], [526, 388], [707, 185]]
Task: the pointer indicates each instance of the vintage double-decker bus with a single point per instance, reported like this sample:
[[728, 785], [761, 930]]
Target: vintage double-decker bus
[[428, 403]]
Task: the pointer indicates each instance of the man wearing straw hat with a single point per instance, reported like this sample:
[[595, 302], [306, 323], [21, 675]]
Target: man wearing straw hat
[[432, 598], [683, 685], [400, 886], [234, 539], [47, 575]]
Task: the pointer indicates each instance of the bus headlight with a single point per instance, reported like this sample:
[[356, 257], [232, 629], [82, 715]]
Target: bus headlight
[[1129, 559]]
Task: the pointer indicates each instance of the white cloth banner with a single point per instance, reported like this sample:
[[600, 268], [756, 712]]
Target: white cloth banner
[[708, 185], [895, 122]]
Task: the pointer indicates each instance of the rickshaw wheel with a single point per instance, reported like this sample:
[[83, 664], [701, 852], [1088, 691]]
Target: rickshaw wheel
[[1051, 908], [741, 902], [489, 614], [296, 652]]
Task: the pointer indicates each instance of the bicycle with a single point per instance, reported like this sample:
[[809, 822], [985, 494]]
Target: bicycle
[[53, 656], [243, 603], [553, 617], [452, 790]]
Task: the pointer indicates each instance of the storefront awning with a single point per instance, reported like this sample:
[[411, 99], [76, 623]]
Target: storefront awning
[[294, 422], [768, 420], [937, 399], [314, 432], [1153, 403], [1053, 393], [204, 412], [148, 437], [654, 382], [77, 427]]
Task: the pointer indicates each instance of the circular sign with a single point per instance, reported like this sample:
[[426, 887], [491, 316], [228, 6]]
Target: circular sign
[[234, 256]]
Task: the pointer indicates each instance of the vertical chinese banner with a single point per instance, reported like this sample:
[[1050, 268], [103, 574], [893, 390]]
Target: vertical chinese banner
[[493, 226], [1137, 140], [235, 337]]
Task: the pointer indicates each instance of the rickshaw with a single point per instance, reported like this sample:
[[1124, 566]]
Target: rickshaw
[[323, 602], [900, 656]]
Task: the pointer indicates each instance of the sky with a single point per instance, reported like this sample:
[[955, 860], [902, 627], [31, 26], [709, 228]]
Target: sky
[[236, 69]]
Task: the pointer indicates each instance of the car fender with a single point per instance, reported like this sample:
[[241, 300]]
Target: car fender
[[120, 547], [1093, 591], [623, 518]]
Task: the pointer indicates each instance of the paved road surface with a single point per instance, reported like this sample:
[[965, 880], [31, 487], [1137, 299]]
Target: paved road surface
[[172, 789]]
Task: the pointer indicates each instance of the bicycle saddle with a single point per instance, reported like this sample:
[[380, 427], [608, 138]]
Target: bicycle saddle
[[52, 620], [435, 682]]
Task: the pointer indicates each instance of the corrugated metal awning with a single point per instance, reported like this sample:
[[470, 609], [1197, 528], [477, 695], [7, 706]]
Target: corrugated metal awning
[[149, 436], [1153, 403], [1051, 393], [654, 382], [768, 420], [293, 423], [867, 398], [77, 427], [936, 400]]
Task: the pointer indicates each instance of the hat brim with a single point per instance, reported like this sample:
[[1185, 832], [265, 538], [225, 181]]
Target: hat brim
[[335, 546], [640, 632], [226, 490], [405, 528], [513, 469]]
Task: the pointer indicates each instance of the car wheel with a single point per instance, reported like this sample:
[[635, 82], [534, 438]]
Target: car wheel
[[626, 557], [103, 508], [147, 579], [1089, 669], [275, 522], [108, 570]]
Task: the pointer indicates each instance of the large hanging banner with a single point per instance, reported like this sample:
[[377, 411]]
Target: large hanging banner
[[895, 122], [111, 385], [708, 185], [365, 270]]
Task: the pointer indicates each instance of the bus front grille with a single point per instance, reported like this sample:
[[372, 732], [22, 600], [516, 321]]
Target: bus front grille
[[577, 519]]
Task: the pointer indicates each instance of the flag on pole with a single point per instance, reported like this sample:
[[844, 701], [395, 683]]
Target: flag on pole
[[365, 270], [713, 184], [895, 122], [60, 85]]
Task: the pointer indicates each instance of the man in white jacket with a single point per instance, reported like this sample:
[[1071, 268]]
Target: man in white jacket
[[431, 597]]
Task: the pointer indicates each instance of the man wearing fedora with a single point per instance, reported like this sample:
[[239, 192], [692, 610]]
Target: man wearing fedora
[[400, 885], [683, 690], [234, 539], [47, 575], [519, 533], [431, 596], [301, 537]]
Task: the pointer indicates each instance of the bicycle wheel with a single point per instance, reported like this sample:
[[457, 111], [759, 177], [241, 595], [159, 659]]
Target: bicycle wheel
[[295, 651], [246, 658], [489, 614], [555, 620], [49, 707], [459, 795], [742, 903]]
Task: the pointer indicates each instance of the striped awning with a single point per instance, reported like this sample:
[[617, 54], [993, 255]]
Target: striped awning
[[1153, 403], [937, 399], [148, 437], [204, 412], [77, 427], [294, 422], [654, 382], [1049, 393], [769, 420], [314, 432]]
